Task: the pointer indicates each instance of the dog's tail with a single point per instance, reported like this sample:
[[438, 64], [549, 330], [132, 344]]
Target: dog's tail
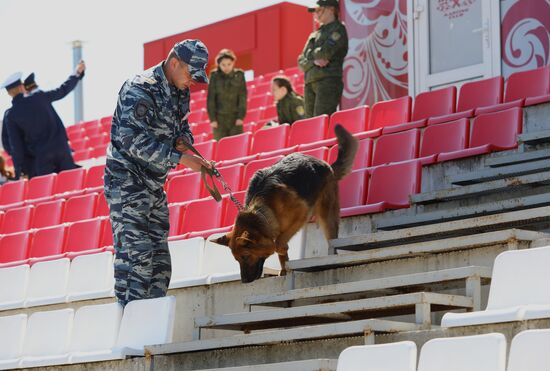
[[347, 148]]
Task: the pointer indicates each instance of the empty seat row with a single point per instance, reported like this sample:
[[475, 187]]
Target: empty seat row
[[528, 352], [519, 291], [57, 281], [90, 334], [66, 240], [50, 213], [43, 187]]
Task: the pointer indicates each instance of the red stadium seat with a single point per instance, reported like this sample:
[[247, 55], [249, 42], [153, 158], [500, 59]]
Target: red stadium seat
[[197, 116], [14, 248], [233, 147], [390, 187], [390, 112], [69, 180], [47, 243], [231, 174], [94, 177], [353, 189], [93, 130], [79, 208], [396, 147], [107, 120], [355, 120], [523, 88], [270, 113], [82, 237], [81, 155], [47, 214], [16, 220], [106, 233], [263, 88], [75, 135], [495, 131], [320, 153], [270, 139], [230, 210], [363, 158], [79, 144], [256, 165], [102, 207], [447, 137], [291, 71], [279, 152], [174, 212], [258, 101], [13, 192], [98, 140], [207, 149], [203, 127], [184, 188], [308, 130], [267, 77], [100, 151], [253, 115], [201, 215], [531, 85]]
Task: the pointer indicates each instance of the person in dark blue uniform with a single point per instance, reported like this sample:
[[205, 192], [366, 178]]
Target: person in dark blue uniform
[[34, 127]]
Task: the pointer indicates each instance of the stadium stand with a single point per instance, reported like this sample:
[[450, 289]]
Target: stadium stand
[[442, 243]]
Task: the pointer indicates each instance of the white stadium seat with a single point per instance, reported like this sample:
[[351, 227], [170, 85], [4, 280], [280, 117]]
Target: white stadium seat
[[145, 322], [529, 351], [520, 289], [13, 295], [91, 277], [47, 338], [187, 258], [296, 250], [218, 262], [48, 282], [12, 334], [472, 353], [95, 333], [385, 357]]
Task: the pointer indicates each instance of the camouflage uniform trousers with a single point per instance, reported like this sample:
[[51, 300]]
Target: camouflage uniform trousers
[[140, 224], [323, 96], [226, 126]]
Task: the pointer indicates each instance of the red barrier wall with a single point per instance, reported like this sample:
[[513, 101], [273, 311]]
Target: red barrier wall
[[264, 40]]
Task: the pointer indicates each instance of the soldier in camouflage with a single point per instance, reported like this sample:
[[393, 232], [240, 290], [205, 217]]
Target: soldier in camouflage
[[322, 61], [290, 106], [147, 135], [226, 96]]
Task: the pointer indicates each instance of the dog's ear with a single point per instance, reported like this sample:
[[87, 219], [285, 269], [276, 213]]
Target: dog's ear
[[223, 240], [245, 237]]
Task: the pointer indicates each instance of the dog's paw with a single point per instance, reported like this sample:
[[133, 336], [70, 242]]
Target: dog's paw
[[282, 272]]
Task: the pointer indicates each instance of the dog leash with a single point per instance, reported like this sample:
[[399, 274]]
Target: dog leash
[[213, 172]]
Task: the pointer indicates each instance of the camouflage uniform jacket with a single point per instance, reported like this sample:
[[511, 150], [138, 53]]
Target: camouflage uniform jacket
[[290, 108], [329, 42], [150, 115], [227, 94]]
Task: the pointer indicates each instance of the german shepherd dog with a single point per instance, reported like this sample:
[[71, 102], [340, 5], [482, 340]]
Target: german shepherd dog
[[281, 199]]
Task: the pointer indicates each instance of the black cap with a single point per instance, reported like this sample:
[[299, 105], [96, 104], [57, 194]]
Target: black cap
[[29, 82], [324, 3]]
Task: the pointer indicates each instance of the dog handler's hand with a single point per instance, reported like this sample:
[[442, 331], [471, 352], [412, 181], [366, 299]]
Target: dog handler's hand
[[180, 147], [195, 163]]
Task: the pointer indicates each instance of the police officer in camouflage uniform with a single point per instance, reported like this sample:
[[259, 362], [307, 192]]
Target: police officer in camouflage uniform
[[226, 96], [290, 106], [149, 128], [322, 60]]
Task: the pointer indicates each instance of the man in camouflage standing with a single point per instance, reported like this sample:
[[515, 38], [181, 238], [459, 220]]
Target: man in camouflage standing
[[149, 128], [322, 60]]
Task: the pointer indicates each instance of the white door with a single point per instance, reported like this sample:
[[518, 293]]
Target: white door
[[452, 41]]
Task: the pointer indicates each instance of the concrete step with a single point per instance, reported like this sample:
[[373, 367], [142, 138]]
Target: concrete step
[[405, 250], [509, 184], [471, 278], [367, 327], [307, 365], [502, 172], [419, 303], [524, 206], [518, 158], [534, 138]]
